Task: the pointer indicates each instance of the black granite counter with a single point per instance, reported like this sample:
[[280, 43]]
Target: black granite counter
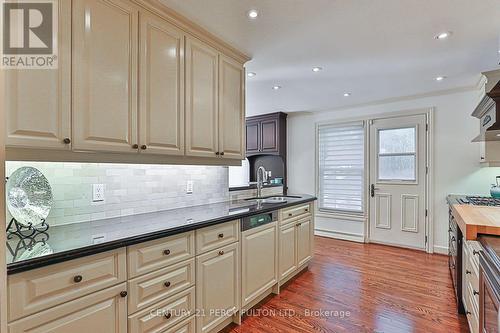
[[252, 187], [72, 241]]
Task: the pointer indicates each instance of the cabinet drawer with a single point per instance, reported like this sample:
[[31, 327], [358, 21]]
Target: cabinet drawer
[[147, 257], [164, 315], [103, 311], [187, 326], [153, 287], [294, 212], [213, 237], [473, 253], [42, 288]]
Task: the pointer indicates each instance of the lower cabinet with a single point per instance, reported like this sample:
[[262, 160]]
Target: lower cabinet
[[295, 246], [101, 312], [217, 287], [304, 241]]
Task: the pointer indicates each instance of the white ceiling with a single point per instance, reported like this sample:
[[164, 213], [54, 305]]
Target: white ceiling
[[374, 49]]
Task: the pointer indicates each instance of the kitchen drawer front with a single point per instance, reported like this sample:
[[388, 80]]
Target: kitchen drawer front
[[40, 289], [187, 326], [104, 311], [213, 237], [472, 275], [150, 256], [164, 315], [294, 212], [472, 309], [151, 288], [474, 247]]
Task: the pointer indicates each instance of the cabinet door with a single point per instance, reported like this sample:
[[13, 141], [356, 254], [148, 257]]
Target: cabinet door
[[102, 312], [38, 102], [304, 241], [105, 75], [217, 286], [253, 137], [259, 267], [201, 99], [161, 113], [231, 108], [269, 132], [287, 250]]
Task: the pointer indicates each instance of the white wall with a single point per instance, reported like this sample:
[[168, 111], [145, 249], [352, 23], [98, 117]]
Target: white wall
[[456, 159]]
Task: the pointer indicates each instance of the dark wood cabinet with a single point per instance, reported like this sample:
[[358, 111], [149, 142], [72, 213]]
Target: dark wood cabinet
[[266, 134]]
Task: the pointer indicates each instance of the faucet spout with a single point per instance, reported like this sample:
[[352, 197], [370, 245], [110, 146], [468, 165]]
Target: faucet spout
[[261, 177]]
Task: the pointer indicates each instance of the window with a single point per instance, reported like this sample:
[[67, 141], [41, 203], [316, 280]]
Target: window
[[397, 154], [341, 153]]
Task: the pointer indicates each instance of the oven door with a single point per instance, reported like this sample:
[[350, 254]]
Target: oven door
[[489, 298]]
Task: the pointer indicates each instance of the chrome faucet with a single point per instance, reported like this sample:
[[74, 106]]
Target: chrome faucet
[[261, 178]]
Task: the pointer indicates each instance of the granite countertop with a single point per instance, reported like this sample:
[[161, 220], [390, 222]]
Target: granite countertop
[[72, 241], [251, 186]]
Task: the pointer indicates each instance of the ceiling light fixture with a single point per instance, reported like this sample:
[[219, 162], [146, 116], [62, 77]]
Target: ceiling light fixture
[[317, 69], [347, 94], [443, 35], [251, 74], [440, 78], [253, 14], [276, 87]]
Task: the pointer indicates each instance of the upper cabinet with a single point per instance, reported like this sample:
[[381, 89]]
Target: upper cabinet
[[105, 75], [134, 80], [161, 82], [266, 134], [37, 101]]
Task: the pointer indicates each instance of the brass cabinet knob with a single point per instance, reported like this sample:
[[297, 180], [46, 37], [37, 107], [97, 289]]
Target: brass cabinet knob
[[135, 146], [166, 252], [221, 252], [167, 284], [67, 141], [144, 147], [123, 294], [168, 315], [78, 279], [221, 235]]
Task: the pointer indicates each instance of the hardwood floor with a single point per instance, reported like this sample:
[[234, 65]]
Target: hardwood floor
[[364, 288]]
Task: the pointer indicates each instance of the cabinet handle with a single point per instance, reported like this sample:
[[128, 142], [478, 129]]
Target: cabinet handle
[[222, 154], [168, 315], [449, 230], [474, 252], [167, 284], [217, 153], [144, 147], [78, 279], [221, 252], [468, 312], [307, 209], [475, 292], [452, 266], [482, 158], [135, 146], [298, 224], [166, 252], [221, 235], [290, 214], [452, 238], [67, 141], [123, 294], [468, 272]]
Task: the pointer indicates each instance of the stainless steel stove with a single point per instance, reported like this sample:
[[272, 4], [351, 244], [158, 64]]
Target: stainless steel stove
[[480, 201]]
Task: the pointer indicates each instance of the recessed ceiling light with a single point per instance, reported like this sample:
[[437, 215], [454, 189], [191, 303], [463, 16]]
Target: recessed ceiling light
[[440, 78], [276, 87], [317, 69], [251, 74], [347, 94], [253, 14], [443, 35]]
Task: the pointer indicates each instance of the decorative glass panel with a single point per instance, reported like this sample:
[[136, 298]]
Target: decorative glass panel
[[397, 141], [396, 167]]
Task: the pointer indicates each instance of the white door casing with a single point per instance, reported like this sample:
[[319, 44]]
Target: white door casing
[[398, 163]]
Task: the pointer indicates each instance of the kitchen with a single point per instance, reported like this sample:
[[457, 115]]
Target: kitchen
[[183, 166]]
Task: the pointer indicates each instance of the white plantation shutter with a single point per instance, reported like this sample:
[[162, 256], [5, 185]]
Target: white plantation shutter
[[341, 167]]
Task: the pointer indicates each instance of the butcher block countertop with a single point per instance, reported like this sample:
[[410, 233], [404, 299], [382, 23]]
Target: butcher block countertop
[[474, 220]]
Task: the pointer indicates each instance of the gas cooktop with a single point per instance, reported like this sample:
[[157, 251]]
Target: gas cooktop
[[480, 201]]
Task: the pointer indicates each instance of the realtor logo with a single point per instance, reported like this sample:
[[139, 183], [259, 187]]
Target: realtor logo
[[29, 31]]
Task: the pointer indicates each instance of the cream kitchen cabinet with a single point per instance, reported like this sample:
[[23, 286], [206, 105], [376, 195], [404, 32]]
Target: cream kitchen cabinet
[[214, 103], [217, 287], [161, 94], [38, 102], [304, 241]]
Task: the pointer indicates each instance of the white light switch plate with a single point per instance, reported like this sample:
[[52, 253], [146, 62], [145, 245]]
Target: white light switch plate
[[97, 192], [189, 187]]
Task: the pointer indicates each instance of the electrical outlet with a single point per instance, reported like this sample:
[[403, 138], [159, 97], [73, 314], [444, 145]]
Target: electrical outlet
[[189, 187], [98, 239], [97, 192]]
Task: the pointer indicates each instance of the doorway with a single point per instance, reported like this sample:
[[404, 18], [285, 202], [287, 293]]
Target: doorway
[[398, 171]]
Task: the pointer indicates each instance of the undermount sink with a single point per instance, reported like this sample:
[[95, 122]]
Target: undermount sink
[[276, 199]]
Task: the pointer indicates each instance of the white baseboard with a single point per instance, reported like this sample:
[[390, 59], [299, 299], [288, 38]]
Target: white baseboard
[[340, 235], [441, 249]]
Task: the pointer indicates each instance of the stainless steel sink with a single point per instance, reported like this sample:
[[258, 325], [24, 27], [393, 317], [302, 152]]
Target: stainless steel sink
[[275, 199]]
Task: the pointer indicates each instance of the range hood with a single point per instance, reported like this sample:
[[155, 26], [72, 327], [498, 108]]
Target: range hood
[[488, 110]]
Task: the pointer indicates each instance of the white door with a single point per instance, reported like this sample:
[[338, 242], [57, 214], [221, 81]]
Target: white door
[[398, 161]]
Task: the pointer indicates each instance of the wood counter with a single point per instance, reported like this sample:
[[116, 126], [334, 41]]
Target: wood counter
[[474, 220]]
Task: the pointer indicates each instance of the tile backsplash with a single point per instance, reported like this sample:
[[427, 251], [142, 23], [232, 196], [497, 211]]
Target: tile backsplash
[[128, 188]]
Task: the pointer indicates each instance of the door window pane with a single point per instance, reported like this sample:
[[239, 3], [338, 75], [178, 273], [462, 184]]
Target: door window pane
[[400, 140], [400, 167]]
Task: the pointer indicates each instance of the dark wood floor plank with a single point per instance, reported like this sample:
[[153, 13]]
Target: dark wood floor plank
[[383, 289]]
